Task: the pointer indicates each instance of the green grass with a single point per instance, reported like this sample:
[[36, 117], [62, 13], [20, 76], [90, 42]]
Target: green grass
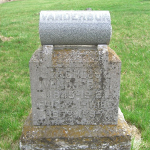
[[130, 39]]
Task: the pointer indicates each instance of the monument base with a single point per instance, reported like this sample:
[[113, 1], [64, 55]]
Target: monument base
[[67, 137]]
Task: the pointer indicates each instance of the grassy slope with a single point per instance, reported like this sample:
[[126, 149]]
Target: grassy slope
[[131, 36]]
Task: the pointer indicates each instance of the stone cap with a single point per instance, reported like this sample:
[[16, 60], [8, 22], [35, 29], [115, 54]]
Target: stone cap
[[75, 27]]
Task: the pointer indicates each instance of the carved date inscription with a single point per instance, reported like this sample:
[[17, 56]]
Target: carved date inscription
[[69, 95]]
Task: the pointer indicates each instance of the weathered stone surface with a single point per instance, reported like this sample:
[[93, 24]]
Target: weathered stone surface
[[75, 85], [75, 27], [89, 137]]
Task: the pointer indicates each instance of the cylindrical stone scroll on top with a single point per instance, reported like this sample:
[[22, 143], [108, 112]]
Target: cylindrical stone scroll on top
[[75, 27]]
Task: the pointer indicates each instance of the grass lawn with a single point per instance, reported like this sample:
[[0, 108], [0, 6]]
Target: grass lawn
[[20, 38]]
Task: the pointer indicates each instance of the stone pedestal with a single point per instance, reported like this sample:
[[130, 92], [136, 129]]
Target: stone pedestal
[[68, 137], [75, 96]]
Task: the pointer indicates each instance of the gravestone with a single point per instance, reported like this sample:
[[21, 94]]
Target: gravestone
[[75, 85]]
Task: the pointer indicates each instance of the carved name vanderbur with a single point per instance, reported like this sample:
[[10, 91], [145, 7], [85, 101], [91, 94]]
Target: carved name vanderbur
[[75, 17]]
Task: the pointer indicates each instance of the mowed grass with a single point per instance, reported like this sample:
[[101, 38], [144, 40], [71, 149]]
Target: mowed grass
[[130, 39]]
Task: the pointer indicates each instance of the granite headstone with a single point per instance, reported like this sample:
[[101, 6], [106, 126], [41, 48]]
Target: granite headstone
[[75, 86]]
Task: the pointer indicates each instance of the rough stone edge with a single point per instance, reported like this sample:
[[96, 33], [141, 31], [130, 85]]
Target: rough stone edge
[[124, 138], [112, 56]]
